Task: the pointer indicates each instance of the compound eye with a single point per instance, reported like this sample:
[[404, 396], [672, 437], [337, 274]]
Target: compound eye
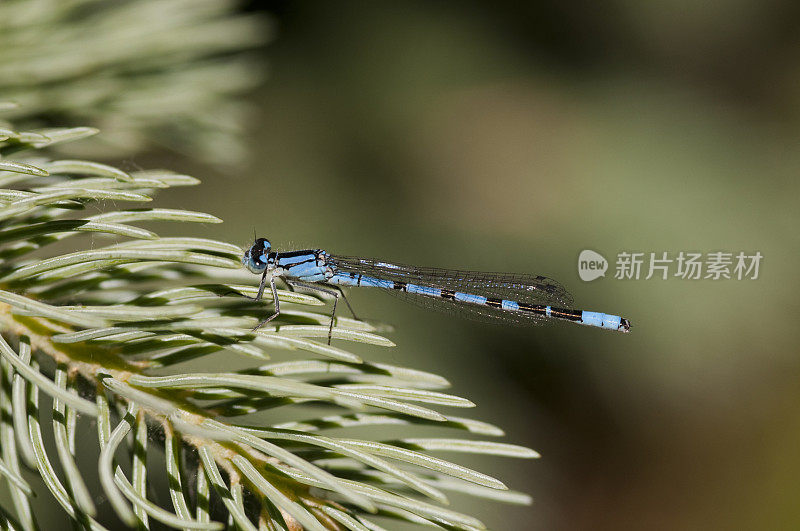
[[255, 257], [253, 261]]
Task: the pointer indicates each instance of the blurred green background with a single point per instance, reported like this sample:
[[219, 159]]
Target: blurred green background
[[511, 137]]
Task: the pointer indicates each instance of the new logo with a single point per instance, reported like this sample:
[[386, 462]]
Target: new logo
[[591, 265]]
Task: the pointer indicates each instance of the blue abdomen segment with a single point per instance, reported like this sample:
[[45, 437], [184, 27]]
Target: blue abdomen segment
[[601, 320], [423, 290], [469, 297], [509, 305]]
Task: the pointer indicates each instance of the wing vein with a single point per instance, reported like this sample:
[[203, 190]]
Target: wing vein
[[518, 287]]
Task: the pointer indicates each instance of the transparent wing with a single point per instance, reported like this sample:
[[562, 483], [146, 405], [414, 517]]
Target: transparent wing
[[522, 288]]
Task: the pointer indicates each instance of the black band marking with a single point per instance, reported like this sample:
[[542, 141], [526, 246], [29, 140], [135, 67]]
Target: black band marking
[[400, 285], [558, 313], [535, 308], [290, 254], [448, 294], [569, 315], [494, 303]]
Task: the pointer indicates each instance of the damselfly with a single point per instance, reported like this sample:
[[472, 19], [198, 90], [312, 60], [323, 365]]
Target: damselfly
[[500, 297]]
